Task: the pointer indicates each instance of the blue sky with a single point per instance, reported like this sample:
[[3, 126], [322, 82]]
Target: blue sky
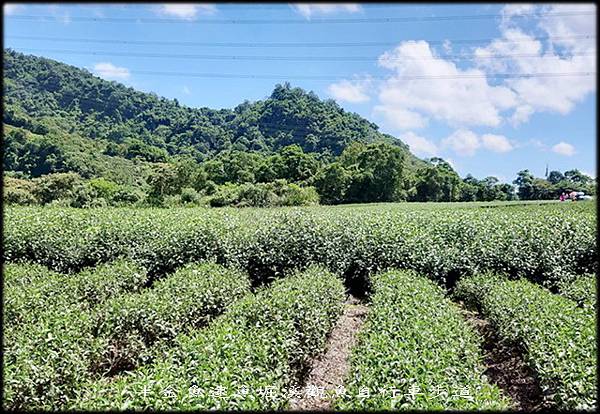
[[483, 124]]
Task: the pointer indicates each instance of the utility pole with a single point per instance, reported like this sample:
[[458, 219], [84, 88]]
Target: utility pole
[[546, 170]]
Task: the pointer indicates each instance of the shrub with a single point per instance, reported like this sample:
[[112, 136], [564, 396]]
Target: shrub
[[97, 203], [31, 290], [277, 193], [44, 362], [581, 289], [83, 196], [50, 346], [537, 242], [19, 191], [257, 195], [61, 202], [416, 339], [127, 195], [57, 186], [295, 195], [189, 196], [103, 187], [225, 195], [184, 301], [557, 337], [262, 341]]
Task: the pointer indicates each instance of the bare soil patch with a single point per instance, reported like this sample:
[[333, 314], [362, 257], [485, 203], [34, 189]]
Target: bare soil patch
[[329, 370]]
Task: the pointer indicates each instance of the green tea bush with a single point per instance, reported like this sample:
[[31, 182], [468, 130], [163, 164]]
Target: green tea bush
[[49, 342], [260, 345], [186, 300], [17, 276], [45, 361], [558, 338], [416, 352], [543, 243], [582, 289], [30, 290]]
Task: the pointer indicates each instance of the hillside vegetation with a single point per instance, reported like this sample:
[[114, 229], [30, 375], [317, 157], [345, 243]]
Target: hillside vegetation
[[74, 139], [46, 96]]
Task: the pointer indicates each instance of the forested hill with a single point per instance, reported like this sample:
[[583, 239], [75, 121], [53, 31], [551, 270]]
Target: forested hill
[[107, 119]]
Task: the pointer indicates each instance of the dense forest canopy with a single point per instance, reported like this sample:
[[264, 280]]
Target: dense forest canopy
[[73, 138], [42, 93]]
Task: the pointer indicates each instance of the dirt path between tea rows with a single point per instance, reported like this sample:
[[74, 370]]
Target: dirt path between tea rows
[[329, 370], [506, 368]]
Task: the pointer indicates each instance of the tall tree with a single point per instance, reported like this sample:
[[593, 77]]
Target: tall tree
[[577, 176], [332, 183], [438, 182], [554, 177], [376, 170], [524, 182]]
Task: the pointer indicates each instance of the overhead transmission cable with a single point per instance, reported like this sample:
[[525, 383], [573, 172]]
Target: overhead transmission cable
[[333, 77], [292, 44], [388, 77], [204, 21], [296, 58]]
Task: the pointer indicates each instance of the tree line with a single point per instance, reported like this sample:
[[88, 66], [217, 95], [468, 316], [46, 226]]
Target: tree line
[[363, 173]]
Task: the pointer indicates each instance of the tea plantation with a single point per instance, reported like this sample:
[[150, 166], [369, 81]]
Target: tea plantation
[[192, 308]]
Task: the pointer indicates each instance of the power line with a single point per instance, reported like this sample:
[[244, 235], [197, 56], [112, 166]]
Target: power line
[[285, 6], [293, 58], [342, 77], [407, 19], [332, 77], [289, 44]]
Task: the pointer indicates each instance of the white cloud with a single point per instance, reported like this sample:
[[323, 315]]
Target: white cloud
[[308, 10], [348, 91], [468, 96], [569, 25], [420, 145], [109, 71], [496, 143], [564, 148], [401, 118], [557, 94], [185, 11], [186, 90], [521, 114], [463, 142], [466, 143], [447, 45], [510, 10], [459, 102], [538, 144], [12, 8]]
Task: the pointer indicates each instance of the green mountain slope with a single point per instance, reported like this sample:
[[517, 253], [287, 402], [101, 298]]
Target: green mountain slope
[[90, 124]]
